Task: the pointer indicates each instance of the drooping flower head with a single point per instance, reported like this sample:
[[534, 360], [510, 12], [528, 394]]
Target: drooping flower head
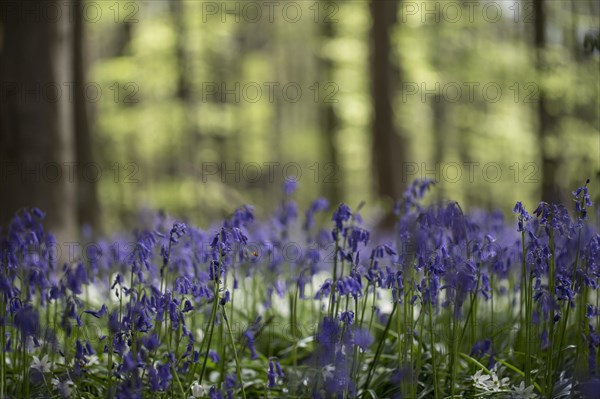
[[582, 200], [341, 215], [523, 215]]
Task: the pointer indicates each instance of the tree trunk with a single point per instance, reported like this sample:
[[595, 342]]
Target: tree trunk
[[387, 148], [546, 120], [88, 207], [330, 121], [191, 137], [36, 116]]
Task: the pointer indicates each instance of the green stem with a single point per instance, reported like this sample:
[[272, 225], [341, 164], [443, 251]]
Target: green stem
[[110, 364], [552, 277], [436, 389], [380, 347], [211, 327], [526, 297], [235, 356], [334, 280], [568, 303]]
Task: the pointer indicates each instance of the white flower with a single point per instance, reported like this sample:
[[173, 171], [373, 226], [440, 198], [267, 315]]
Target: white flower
[[197, 390], [481, 381], [328, 371], [64, 387], [43, 366], [92, 360], [499, 384], [524, 393]]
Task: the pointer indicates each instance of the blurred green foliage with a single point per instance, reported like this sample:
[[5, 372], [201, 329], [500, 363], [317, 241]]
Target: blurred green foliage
[[169, 134]]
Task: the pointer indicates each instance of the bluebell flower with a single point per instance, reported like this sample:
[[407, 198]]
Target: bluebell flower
[[278, 369], [226, 298], [523, 216], [97, 314], [594, 342], [27, 321], [582, 200], [242, 217], [317, 205], [480, 348], [155, 383], [114, 324], [287, 213], [230, 381], [214, 393], [187, 306], [328, 335], [271, 375], [362, 338], [289, 186], [380, 250], [347, 317], [325, 290], [341, 215], [412, 195], [214, 356], [358, 235], [249, 335], [164, 375], [347, 286], [150, 342]]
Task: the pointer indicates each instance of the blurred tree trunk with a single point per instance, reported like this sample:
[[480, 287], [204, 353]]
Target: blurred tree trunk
[[88, 207], [123, 35], [191, 134], [438, 105], [387, 148], [329, 120], [439, 134], [36, 115], [547, 121]]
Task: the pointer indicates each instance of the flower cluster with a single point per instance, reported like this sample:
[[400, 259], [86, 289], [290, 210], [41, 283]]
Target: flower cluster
[[448, 304]]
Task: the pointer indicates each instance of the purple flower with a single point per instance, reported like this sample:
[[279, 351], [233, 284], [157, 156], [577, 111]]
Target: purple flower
[[480, 348], [226, 298], [363, 338], [97, 314], [271, 375], [214, 356], [347, 317], [341, 215], [214, 393], [317, 205], [290, 186], [27, 321], [150, 342], [328, 335], [582, 200], [348, 285], [249, 335], [381, 250], [357, 236], [325, 289], [177, 231]]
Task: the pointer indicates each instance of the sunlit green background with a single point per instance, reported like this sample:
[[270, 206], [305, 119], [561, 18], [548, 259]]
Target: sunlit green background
[[147, 51]]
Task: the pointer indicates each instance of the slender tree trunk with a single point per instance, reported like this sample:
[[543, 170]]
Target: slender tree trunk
[[439, 134], [387, 149], [330, 121], [546, 120], [88, 207], [36, 123], [191, 133]]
